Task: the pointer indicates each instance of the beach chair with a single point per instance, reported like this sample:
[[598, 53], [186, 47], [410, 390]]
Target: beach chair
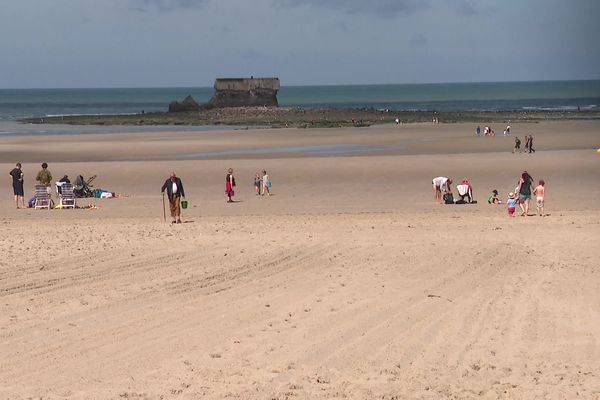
[[465, 191], [67, 197], [42, 197]]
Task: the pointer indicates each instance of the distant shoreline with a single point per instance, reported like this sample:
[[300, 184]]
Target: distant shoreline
[[279, 117]]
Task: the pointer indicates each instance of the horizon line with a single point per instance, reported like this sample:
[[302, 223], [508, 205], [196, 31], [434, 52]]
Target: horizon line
[[301, 85]]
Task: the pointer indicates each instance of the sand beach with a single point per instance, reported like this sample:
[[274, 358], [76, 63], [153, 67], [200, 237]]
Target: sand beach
[[348, 282]]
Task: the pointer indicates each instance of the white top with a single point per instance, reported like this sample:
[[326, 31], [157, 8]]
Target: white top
[[174, 188], [266, 178], [440, 181]]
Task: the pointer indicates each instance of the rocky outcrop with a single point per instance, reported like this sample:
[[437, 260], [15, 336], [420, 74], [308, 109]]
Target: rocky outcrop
[[245, 92], [188, 104]]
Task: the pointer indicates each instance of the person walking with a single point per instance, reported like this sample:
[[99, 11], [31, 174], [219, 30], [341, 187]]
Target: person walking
[[175, 192], [524, 190], [517, 148], [229, 185], [531, 149], [17, 182]]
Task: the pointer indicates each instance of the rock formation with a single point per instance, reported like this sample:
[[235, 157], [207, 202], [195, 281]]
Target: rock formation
[[188, 104], [245, 92]]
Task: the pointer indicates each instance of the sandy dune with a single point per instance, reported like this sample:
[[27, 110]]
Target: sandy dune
[[347, 283]]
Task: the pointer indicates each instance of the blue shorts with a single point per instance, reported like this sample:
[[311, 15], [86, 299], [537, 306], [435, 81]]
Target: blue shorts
[[524, 197]]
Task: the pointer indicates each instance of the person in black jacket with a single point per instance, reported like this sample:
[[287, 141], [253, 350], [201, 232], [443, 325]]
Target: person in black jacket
[[175, 192], [17, 177]]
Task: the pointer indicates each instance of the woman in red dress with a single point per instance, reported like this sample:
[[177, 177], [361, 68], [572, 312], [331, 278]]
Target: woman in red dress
[[229, 184]]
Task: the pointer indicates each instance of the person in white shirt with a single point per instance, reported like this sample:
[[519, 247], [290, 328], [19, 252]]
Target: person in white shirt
[[440, 184], [266, 184]]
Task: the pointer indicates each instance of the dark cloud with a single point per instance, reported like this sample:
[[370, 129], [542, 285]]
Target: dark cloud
[[165, 5], [382, 8]]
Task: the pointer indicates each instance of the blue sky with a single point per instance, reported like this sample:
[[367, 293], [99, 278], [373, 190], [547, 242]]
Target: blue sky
[[148, 43]]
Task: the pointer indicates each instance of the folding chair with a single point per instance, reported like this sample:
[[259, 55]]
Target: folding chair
[[42, 197], [67, 197]]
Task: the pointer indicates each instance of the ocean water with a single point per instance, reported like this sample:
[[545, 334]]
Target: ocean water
[[504, 96]]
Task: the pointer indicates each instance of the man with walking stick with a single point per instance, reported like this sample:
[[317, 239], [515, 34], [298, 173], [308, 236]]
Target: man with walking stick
[[175, 192]]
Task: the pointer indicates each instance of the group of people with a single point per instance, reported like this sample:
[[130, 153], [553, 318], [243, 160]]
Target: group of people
[[43, 177], [175, 192], [522, 196], [262, 184], [528, 145], [487, 131], [442, 193]]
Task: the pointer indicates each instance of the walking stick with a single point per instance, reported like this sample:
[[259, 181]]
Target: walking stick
[[164, 211]]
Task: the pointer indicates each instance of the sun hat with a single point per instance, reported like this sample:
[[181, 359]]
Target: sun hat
[[511, 195]]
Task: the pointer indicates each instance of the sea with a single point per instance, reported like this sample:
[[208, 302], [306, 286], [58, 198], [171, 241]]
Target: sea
[[16, 104]]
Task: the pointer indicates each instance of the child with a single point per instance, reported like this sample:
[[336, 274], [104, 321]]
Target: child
[[511, 203], [257, 183], [517, 148], [539, 192], [493, 198], [266, 184]]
